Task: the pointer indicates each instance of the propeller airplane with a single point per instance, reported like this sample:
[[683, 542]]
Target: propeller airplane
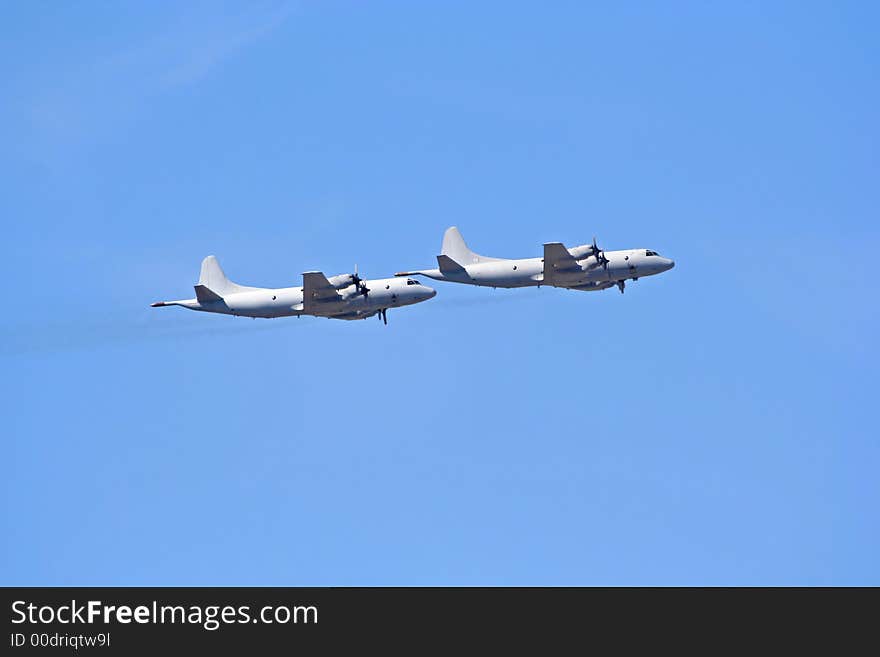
[[585, 267], [346, 296]]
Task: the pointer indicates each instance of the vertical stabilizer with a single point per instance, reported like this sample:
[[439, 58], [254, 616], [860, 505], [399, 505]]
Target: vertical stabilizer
[[213, 278], [454, 246]]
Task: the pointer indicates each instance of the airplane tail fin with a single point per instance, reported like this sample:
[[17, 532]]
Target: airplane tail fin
[[454, 246], [213, 278]]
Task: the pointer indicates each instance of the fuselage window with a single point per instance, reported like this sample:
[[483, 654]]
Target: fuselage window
[[650, 253], [410, 281]]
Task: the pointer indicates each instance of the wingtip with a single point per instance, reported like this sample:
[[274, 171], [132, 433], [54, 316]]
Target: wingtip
[[158, 304]]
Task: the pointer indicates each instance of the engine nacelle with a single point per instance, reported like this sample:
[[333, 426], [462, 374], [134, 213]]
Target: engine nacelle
[[582, 251], [341, 281]]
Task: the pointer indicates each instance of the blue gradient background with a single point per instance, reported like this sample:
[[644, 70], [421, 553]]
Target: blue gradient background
[[714, 425]]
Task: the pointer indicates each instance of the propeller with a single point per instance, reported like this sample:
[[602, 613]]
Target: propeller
[[359, 282], [600, 255]]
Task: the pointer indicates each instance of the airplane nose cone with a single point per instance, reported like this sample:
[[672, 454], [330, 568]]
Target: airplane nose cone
[[432, 293], [670, 263]]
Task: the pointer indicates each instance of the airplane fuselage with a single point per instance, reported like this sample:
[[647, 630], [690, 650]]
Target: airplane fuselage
[[530, 272], [289, 302]]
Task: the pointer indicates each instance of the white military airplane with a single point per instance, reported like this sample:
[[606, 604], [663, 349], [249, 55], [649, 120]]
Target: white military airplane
[[585, 267], [346, 296]]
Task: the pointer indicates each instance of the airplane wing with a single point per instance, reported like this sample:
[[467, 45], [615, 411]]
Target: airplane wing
[[317, 289], [557, 259]]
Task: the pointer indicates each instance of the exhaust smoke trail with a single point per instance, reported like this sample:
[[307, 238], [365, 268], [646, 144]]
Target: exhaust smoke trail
[[76, 336]]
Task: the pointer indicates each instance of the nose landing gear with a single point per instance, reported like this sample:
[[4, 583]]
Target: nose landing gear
[[383, 315], [621, 285]]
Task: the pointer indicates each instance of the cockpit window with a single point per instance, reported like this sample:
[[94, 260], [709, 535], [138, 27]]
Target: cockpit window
[[410, 281], [650, 253]]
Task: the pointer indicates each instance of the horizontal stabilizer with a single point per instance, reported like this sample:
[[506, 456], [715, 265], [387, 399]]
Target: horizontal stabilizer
[[449, 266], [206, 295]]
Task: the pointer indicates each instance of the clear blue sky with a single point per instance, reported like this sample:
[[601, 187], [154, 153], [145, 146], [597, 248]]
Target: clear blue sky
[[714, 425]]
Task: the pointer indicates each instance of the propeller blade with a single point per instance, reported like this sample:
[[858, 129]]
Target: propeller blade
[[358, 282], [600, 255]]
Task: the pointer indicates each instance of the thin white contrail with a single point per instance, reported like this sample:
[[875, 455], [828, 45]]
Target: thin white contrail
[[64, 337]]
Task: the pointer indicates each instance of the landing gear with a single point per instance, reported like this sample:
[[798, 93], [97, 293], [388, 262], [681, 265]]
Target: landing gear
[[621, 285], [383, 315]]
